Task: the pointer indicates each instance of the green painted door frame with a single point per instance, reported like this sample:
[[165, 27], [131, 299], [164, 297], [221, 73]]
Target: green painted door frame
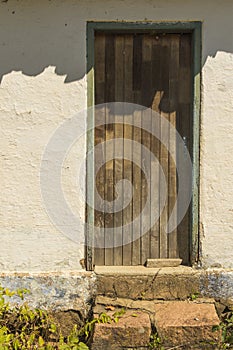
[[193, 27]]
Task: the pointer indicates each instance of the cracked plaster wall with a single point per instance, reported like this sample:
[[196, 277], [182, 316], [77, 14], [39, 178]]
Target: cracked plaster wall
[[43, 83]]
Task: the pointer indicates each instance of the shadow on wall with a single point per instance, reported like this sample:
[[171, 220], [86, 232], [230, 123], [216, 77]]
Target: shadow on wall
[[32, 39], [38, 34]]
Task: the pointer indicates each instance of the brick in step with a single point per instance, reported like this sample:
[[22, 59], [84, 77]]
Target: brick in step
[[186, 323], [133, 330]]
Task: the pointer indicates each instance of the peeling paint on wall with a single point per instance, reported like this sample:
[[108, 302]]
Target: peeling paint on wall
[[54, 291], [218, 284], [43, 83]]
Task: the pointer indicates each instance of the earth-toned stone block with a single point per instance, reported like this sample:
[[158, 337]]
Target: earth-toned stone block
[[131, 331], [184, 322]]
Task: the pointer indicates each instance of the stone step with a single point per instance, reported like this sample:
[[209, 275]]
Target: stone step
[[141, 283], [132, 331], [186, 323], [183, 324]]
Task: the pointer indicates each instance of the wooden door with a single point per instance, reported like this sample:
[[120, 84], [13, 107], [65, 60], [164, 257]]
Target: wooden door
[[152, 70]]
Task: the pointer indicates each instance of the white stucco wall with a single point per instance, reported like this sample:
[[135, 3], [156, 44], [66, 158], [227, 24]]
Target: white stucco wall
[[43, 83]]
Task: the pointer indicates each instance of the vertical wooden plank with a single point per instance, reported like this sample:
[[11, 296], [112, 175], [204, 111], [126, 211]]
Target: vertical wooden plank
[[165, 54], [173, 101], [119, 133], [155, 181], [183, 228], [146, 140], [99, 134], [137, 62], [172, 188], [99, 68], [184, 128], [136, 244], [185, 69], [155, 143], [128, 85], [109, 149], [137, 99]]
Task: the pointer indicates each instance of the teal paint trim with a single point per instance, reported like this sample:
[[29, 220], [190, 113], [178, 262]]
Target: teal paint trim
[[194, 27], [90, 145], [144, 26], [197, 67]]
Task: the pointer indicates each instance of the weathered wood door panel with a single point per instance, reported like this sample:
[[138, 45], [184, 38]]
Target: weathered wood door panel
[[153, 70]]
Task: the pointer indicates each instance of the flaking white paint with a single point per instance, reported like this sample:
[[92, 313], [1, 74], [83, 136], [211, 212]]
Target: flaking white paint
[[43, 82], [216, 161], [32, 108]]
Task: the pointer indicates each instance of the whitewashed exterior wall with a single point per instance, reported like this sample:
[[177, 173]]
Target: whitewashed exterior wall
[[43, 83]]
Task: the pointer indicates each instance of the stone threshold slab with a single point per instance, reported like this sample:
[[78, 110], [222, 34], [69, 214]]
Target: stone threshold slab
[[157, 263], [144, 271]]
